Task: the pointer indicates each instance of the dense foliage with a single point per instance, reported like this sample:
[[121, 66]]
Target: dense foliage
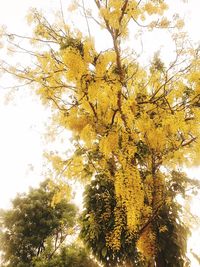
[[134, 126], [32, 219], [98, 223], [68, 256]]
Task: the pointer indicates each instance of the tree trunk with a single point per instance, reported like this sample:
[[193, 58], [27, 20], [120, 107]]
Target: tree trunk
[[160, 261], [129, 263], [151, 263]]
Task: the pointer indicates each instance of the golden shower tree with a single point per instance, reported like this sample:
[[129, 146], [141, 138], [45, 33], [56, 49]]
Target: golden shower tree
[[134, 127]]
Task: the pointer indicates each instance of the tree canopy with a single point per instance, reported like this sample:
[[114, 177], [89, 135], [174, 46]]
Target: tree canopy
[[68, 256], [98, 223], [32, 220], [134, 127]]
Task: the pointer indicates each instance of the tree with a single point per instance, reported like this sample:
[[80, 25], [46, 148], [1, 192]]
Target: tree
[[98, 223], [134, 127], [33, 220], [69, 256]]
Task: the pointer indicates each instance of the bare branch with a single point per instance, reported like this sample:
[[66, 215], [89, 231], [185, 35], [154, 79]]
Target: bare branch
[[85, 14]]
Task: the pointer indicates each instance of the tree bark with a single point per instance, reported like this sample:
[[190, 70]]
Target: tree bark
[[129, 263], [160, 261]]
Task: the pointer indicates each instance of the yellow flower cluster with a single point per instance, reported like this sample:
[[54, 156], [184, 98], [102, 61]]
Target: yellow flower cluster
[[129, 191], [104, 61], [146, 244], [113, 239], [156, 8], [89, 51], [88, 135], [77, 67], [64, 192], [109, 144], [75, 168], [72, 121], [132, 10], [113, 4], [158, 188]]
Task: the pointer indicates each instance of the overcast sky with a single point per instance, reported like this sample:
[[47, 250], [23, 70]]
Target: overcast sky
[[22, 121]]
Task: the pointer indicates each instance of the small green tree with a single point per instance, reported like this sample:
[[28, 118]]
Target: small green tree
[[32, 220], [68, 256]]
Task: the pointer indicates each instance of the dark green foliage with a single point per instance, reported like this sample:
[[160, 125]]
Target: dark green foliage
[[99, 200], [32, 219], [98, 221], [171, 244], [69, 42], [68, 256]]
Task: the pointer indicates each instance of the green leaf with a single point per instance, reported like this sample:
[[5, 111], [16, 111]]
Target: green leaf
[[104, 252]]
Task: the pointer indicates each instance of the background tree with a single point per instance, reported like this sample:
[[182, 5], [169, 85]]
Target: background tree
[[133, 125], [69, 256], [26, 227]]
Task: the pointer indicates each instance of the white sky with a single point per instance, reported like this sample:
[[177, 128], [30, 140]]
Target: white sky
[[22, 122]]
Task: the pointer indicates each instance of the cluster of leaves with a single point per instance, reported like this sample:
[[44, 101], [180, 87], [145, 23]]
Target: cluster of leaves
[[32, 219], [98, 222], [68, 256]]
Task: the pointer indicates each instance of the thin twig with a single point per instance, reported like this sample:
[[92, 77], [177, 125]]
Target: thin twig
[[86, 18]]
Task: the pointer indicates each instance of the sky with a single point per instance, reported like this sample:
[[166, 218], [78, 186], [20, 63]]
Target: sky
[[22, 121]]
